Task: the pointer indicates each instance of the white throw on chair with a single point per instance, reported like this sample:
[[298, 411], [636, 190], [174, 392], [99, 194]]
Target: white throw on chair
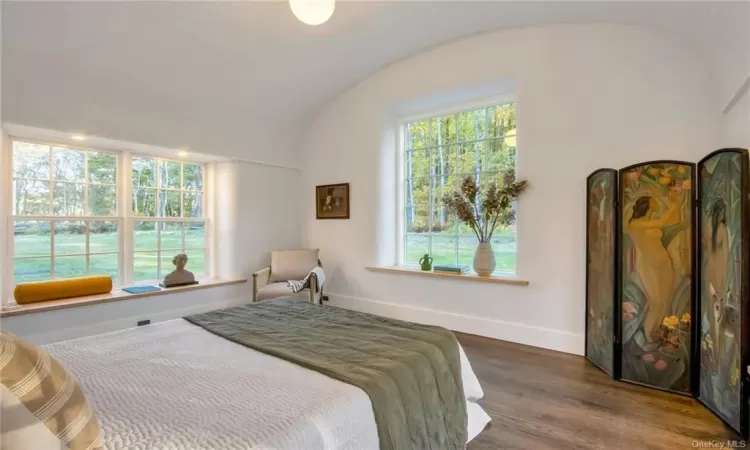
[[289, 265]]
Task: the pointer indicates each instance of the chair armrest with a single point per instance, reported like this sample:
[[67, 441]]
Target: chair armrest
[[260, 279]]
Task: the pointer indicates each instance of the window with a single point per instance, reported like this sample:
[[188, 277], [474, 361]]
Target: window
[[438, 153], [64, 208], [167, 196], [70, 216]]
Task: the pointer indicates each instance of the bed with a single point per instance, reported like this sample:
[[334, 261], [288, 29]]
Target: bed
[[175, 385]]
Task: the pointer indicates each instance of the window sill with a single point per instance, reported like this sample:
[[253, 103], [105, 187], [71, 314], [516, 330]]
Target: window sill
[[115, 295], [467, 276]]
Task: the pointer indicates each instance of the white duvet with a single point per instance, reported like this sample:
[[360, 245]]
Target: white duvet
[[173, 385]]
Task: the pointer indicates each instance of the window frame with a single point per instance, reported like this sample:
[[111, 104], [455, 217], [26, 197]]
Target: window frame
[[401, 177], [123, 216]]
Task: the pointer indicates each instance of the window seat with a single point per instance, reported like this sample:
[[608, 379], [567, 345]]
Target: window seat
[[13, 309]]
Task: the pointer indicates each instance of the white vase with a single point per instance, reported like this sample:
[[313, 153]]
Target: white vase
[[484, 260]]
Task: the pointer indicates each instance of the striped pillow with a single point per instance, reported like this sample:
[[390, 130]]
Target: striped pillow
[[46, 402]]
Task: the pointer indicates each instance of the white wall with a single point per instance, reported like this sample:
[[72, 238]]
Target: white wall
[[736, 124], [589, 96]]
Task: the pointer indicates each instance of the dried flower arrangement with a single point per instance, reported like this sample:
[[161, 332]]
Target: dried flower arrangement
[[485, 212]]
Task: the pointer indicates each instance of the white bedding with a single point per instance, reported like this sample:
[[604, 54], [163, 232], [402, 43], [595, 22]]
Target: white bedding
[[173, 385]]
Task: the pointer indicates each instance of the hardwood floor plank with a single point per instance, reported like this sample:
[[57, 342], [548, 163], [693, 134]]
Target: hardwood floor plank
[[541, 399]]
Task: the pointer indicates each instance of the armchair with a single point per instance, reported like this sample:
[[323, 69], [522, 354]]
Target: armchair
[[271, 282]]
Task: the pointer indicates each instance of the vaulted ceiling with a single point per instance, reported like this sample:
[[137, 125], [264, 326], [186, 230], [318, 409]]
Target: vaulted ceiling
[[243, 66]]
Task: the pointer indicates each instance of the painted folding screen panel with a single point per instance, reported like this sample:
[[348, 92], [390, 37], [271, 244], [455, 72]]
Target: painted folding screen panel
[[601, 257], [656, 262], [723, 242]]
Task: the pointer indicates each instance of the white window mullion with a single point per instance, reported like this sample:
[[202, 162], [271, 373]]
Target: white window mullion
[[52, 249], [88, 247], [126, 256], [86, 187], [51, 182]]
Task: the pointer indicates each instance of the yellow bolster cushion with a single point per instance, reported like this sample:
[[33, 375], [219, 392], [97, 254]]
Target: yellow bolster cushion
[[43, 291]]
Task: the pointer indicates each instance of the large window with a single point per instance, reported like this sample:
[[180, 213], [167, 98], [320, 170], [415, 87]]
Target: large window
[[439, 152], [70, 216]]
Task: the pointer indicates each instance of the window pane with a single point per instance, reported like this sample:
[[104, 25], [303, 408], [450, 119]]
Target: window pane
[[417, 219], [444, 130], [440, 187], [192, 204], [102, 200], [195, 235], [70, 238], [145, 235], [144, 202], [104, 265], [144, 266], [144, 172], [30, 160], [417, 134], [502, 119], [169, 171], [70, 266], [171, 235], [166, 263], [442, 221], [192, 175], [31, 197], [504, 246], [471, 125], [444, 160], [68, 199], [31, 238], [197, 262], [417, 191], [416, 247], [102, 167], [417, 163], [31, 269], [169, 204], [103, 237], [500, 155], [444, 250], [69, 164], [471, 157], [467, 246]]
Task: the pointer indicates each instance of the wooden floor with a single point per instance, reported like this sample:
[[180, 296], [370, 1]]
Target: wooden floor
[[540, 399]]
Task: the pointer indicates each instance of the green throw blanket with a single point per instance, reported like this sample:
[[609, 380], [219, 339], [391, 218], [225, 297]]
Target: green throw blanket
[[411, 372]]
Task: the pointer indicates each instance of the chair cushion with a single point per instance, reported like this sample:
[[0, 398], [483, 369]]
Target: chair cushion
[[33, 381], [281, 289], [292, 264]]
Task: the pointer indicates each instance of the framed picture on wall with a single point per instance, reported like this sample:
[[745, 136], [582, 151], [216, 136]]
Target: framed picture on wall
[[332, 201]]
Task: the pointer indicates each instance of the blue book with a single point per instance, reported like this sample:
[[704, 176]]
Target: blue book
[[140, 289]]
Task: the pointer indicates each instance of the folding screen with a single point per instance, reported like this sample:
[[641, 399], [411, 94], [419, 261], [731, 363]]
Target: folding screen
[[601, 251], [656, 260], [723, 244]]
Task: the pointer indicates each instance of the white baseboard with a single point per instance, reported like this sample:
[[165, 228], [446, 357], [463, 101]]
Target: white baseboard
[[122, 323], [562, 341]]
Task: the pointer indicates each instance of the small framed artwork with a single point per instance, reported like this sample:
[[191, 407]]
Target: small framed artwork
[[332, 201]]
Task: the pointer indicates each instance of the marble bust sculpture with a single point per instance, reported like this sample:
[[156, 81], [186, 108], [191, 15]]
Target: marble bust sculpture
[[180, 276]]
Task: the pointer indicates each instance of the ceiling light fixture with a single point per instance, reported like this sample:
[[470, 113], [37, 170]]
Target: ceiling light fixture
[[78, 137], [313, 12], [182, 153]]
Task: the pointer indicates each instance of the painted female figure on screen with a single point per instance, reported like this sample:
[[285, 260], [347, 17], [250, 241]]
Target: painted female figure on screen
[[656, 275]]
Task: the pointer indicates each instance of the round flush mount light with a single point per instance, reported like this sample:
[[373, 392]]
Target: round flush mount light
[[312, 12], [182, 153], [78, 137]]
